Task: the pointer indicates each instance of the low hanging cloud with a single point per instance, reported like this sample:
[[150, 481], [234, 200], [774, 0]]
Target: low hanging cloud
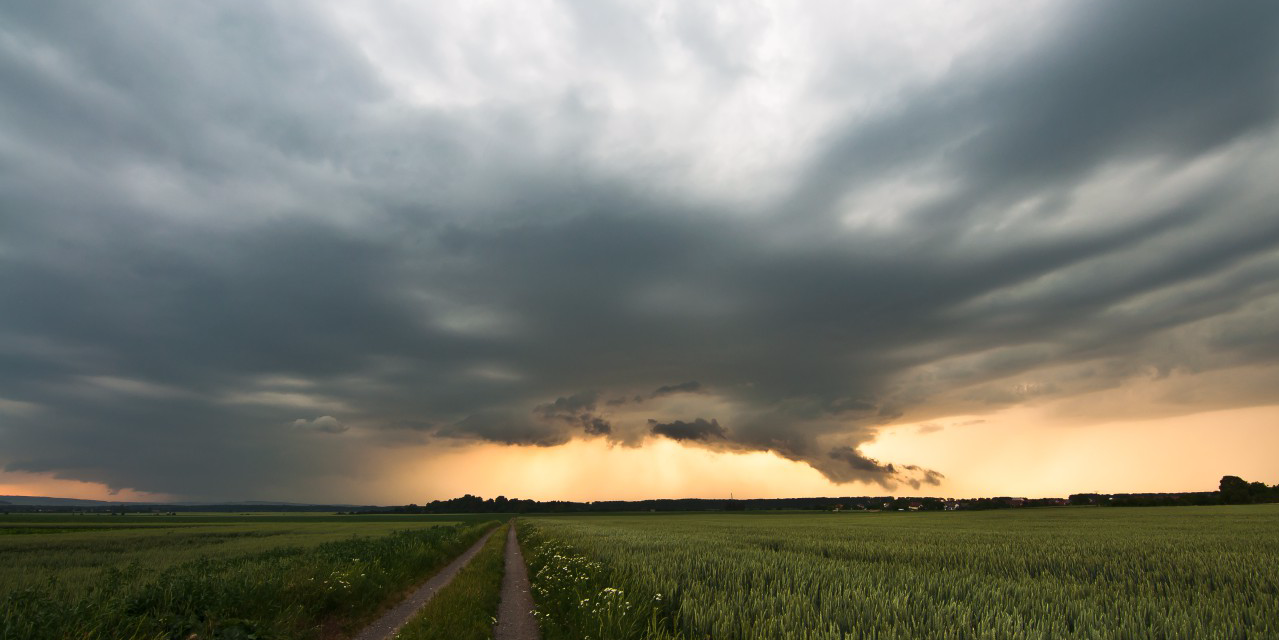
[[691, 386], [699, 429], [506, 427], [839, 464], [577, 409], [853, 464], [1052, 203], [322, 424]]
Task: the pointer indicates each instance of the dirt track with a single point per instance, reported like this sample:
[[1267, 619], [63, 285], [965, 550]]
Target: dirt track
[[385, 627], [515, 619]]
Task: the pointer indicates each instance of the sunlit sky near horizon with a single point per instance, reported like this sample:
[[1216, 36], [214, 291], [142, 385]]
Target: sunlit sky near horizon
[[389, 252]]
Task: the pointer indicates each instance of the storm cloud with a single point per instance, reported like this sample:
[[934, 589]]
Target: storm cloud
[[579, 409], [699, 429], [691, 386], [219, 219]]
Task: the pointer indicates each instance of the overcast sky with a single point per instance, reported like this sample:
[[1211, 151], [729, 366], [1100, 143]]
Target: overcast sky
[[256, 249]]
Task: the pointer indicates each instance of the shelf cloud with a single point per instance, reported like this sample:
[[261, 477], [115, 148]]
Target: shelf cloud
[[778, 231]]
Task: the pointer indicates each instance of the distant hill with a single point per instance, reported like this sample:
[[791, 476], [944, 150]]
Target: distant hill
[[241, 505], [45, 501], [267, 503]]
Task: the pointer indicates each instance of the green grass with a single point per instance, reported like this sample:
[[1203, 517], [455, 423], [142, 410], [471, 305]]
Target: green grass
[[467, 608], [1181, 572], [214, 576], [66, 553]]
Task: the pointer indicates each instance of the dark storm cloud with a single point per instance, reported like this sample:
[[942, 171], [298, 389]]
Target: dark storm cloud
[[217, 222], [698, 429], [579, 409], [570, 405], [858, 462], [853, 465], [507, 428], [596, 426], [691, 386]]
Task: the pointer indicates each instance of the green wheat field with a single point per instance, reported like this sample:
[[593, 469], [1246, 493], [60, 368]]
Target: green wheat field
[[1180, 572]]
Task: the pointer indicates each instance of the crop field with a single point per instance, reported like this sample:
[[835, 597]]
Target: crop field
[[1179, 572], [69, 551], [215, 576]]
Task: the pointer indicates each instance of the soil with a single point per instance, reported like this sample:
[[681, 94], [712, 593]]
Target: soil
[[515, 619]]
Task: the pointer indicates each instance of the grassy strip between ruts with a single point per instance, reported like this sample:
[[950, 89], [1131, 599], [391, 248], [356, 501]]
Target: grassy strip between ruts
[[286, 593], [466, 608]]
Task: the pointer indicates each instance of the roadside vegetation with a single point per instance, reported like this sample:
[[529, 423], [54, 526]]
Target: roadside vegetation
[[577, 597], [1185, 572], [261, 591], [466, 609]]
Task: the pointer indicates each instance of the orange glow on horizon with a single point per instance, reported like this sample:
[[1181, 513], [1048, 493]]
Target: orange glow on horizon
[[1036, 452], [19, 483], [1024, 451], [587, 470]]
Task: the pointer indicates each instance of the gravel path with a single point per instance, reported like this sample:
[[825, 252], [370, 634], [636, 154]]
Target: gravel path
[[386, 626], [515, 619]]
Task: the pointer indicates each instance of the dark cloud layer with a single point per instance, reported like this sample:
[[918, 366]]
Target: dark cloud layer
[[699, 429], [691, 386], [578, 408], [227, 249]]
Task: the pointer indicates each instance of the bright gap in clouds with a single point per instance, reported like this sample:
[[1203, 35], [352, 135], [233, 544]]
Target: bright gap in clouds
[[1034, 453], [722, 102], [49, 485], [593, 470]]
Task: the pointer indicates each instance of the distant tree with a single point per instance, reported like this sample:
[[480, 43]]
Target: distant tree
[[1258, 492], [1234, 490], [1086, 499]]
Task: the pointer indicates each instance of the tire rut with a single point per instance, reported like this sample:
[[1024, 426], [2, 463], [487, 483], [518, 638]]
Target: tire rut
[[385, 627], [515, 620]]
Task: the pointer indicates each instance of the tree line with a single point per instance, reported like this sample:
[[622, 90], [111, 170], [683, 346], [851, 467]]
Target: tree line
[[1232, 490]]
